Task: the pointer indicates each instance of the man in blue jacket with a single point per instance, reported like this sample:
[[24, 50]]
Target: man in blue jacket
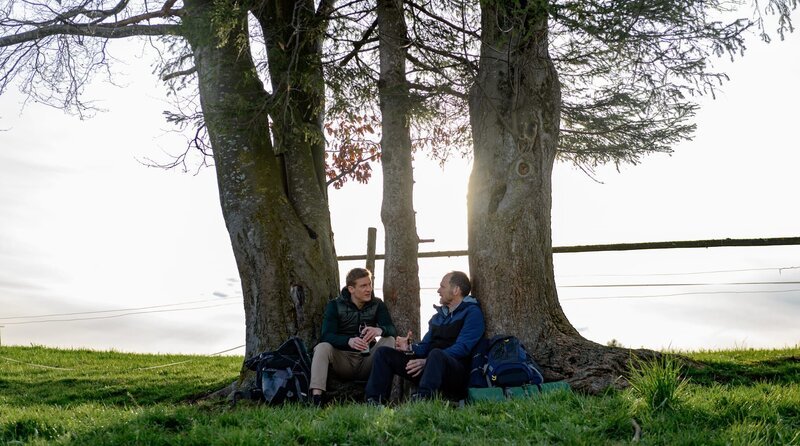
[[440, 362]]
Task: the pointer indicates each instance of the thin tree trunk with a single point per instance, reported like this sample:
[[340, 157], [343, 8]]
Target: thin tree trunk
[[278, 224], [401, 270], [515, 111]]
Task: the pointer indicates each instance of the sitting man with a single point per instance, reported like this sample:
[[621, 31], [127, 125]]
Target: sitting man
[[351, 322], [440, 362]]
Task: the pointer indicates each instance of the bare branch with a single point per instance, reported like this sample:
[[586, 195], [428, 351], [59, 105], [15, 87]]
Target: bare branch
[[175, 74], [102, 31], [428, 12], [365, 38]]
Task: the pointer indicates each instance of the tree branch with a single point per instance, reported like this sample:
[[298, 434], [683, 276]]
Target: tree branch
[[175, 74], [150, 15], [325, 9], [93, 13], [365, 38], [352, 169], [427, 11], [102, 31]]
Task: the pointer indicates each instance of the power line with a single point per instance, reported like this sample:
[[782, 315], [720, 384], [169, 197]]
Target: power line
[[626, 285], [115, 311], [781, 269], [116, 315], [188, 360], [226, 351], [140, 368], [645, 296], [637, 285], [36, 365]]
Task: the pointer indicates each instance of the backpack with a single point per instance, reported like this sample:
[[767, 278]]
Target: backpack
[[502, 361], [282, 375]]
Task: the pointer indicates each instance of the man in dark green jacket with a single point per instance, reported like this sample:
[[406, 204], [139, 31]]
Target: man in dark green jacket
[[350, 324]]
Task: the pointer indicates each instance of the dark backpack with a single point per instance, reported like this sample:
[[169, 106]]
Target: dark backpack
[[502, 361], [282, 375]]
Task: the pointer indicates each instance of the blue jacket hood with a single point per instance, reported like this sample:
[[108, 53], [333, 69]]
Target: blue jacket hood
[[468, 313], [444, 310]]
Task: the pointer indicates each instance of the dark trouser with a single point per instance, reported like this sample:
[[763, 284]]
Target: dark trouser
[[441, 373]]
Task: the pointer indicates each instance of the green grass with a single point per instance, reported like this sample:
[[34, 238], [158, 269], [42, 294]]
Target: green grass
[[747, 397], [657, 384]]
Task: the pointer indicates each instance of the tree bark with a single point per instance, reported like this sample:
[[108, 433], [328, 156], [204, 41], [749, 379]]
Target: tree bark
[[400, 268], [514, 112], [272, 196]]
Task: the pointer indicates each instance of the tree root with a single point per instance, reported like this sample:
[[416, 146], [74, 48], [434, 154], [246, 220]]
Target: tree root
[[637, 431]]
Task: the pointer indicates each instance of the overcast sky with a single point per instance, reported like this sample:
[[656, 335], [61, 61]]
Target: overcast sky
[[86, 228]]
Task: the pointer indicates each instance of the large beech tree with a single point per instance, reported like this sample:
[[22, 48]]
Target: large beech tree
[[268, 145], [595, 81]]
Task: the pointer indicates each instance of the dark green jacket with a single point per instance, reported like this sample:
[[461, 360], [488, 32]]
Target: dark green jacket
[[342, 319]]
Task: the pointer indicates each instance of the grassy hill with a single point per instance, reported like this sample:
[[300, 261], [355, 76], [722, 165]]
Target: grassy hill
[[51, 396]]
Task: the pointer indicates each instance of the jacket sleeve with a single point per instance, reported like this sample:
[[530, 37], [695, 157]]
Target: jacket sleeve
[[471, 333], [330, 326], [384, 320], [422, 348]]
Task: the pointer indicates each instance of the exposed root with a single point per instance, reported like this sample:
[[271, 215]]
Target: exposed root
[[637, 431]]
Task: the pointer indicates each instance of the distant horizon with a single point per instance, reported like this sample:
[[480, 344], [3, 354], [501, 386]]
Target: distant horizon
[[634, 317]]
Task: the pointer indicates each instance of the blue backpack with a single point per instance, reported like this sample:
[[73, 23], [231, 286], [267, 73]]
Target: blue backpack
[[502, 361]]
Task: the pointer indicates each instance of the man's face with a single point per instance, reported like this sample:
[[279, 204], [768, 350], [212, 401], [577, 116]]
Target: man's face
[[447, 292], [362, 290]]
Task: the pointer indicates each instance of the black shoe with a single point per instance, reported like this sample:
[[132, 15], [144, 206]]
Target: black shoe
[[316, 400]]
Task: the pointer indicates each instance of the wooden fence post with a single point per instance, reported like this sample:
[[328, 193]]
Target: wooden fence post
[[372, 236]]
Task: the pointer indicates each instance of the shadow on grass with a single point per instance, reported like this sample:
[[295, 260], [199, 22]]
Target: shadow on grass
[[780, 370], [105, 390]]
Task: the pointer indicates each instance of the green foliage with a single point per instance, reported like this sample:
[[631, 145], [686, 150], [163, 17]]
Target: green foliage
[[227, 18], [90, 397], [657, 382]]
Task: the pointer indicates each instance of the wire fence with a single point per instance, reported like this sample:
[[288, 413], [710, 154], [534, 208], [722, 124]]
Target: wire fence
[[589, 280]]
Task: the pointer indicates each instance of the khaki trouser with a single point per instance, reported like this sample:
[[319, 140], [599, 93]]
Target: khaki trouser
[[344, 364]]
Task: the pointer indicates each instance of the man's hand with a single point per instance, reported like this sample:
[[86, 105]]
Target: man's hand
[[415, 366], [358, 344], [403, 343], [370, 333]]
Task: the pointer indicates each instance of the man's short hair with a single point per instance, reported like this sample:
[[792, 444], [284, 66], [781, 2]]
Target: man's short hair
[[460, 279], [355, 274]]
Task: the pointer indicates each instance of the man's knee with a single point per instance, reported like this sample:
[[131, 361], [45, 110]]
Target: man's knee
[[437, 355], [323, 350], [386, 341], [381, 352]]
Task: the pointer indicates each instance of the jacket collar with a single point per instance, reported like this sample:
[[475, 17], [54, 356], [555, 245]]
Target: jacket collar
[[346, 298], [444, 310]]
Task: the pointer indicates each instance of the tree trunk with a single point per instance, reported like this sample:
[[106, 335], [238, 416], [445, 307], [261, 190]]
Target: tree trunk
[[515, 112], [400, 270], [274, 206]]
